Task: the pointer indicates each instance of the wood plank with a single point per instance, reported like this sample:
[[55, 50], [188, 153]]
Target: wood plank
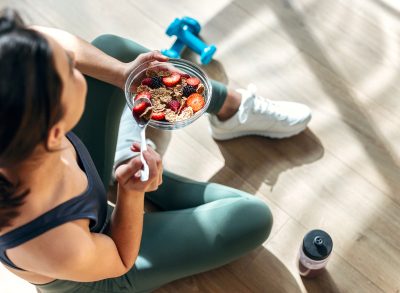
[[341, 58], [215, 281], [368, 148], [89, 21], [340, 276], [367, 61]]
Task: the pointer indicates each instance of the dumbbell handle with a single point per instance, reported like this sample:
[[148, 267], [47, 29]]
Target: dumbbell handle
[[192, 41], [175, 50]]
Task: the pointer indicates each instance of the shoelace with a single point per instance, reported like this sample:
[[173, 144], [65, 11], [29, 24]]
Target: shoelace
[[264, 106]]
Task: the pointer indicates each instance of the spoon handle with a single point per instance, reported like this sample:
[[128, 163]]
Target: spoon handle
[[144, 174]]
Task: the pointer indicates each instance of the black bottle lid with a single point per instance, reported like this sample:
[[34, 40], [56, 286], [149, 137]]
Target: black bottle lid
[[317, 245]]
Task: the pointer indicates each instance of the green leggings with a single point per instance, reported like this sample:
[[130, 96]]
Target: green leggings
[[201, 226]]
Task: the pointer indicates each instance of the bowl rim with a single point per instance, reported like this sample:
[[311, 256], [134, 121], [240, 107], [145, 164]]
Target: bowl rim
[[165, 125]]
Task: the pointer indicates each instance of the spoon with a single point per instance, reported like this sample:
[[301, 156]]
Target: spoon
[[141, 112]]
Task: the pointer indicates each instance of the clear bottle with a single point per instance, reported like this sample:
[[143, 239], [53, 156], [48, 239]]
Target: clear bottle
[[314, 253]]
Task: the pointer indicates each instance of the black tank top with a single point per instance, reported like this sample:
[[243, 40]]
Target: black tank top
[[91, 204]]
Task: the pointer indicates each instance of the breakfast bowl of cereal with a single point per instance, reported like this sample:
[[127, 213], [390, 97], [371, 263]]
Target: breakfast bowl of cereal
[[179, 91]]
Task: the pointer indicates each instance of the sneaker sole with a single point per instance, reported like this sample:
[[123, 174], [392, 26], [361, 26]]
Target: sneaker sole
[[227, 136]]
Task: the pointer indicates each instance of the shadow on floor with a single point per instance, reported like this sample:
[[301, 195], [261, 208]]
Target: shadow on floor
[[215, 69], [258, 160], [258, 271], [323, 283]]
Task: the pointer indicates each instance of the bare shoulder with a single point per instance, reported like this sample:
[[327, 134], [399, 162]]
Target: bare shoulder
[[55, 246], [70, 252]]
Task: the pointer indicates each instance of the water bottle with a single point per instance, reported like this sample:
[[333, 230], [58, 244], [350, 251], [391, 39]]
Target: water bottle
[[314, 253]]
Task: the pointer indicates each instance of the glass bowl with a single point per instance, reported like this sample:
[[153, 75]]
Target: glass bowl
[[178, 65]]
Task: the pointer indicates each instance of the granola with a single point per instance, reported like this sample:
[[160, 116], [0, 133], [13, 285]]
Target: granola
[[200, 89], [186, 113], [174, 96], [170, 115]]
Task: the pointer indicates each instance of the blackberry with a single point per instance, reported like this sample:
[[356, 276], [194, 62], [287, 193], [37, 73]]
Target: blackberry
[[188, 90], [156, 82]]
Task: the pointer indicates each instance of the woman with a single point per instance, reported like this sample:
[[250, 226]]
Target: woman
[[56, 229]]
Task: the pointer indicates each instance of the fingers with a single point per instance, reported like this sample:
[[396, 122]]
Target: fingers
[[158, 169], [151, 56], [152, 159], [154, 162], [135, 147], [160, 175], [159, 57], [127, 171], [156, 155], [143, 58], [159, 166]]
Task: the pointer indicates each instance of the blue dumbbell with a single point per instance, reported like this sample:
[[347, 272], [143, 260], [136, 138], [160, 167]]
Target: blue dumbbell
[[186, 30]]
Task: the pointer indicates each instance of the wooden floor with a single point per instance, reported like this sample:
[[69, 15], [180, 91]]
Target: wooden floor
[[340, 57]]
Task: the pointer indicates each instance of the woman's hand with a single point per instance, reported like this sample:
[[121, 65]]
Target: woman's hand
[[142, 58], [128, 175]]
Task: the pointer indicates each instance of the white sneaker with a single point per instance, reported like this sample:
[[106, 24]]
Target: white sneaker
[[259, 116]]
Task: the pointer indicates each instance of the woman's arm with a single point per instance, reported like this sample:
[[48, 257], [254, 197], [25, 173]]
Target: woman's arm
[[95, 63], [71, 252]]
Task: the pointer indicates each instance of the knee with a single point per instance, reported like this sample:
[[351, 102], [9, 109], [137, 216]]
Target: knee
[[105, 39], [247, 225], [258, 220], [120, 48]]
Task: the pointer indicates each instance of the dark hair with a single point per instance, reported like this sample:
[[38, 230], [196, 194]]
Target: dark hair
[[30, 102]]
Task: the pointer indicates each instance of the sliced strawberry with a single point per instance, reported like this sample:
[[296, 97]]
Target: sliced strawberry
[[139, 108], [146, 81], [146, 95], [185, 75], [193, 81], [172, 80], [196, 102], [158, 116]]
